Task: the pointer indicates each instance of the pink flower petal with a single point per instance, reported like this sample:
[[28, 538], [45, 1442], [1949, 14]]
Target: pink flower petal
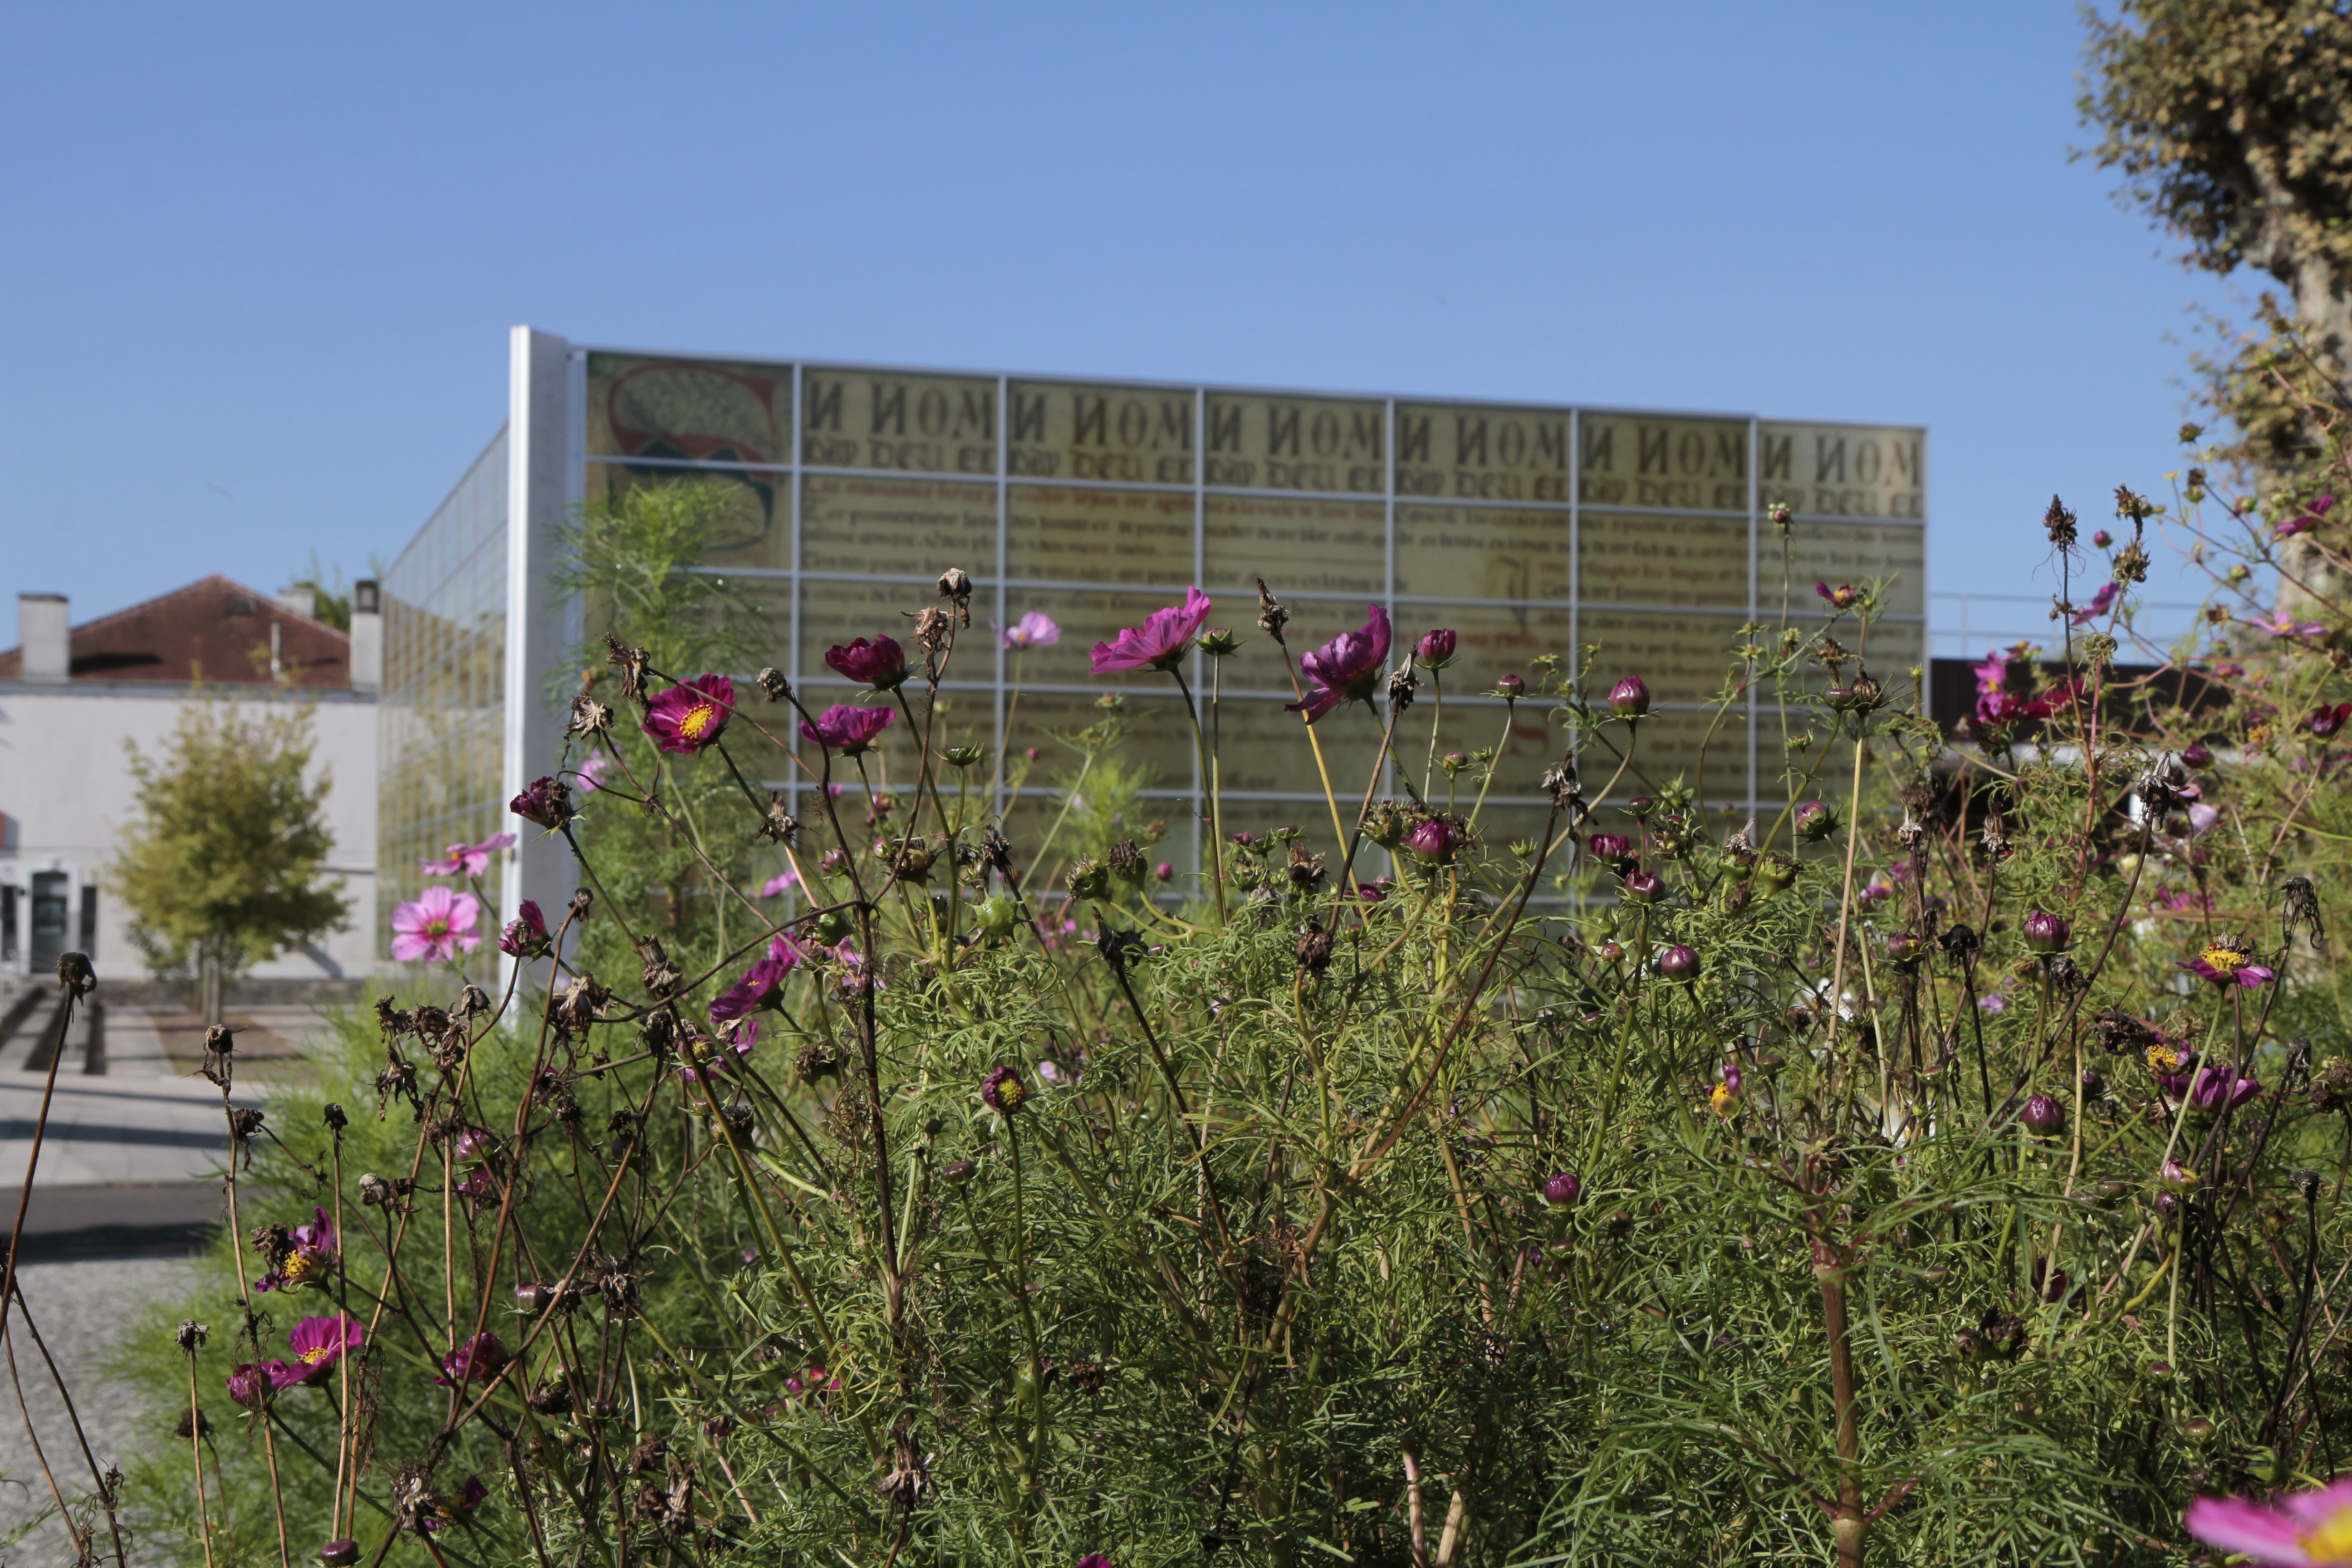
[[2234, 1524]]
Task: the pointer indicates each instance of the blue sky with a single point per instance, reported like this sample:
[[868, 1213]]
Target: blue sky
[[258, 263]]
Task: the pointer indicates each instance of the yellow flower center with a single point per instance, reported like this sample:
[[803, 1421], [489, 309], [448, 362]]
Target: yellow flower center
[[1723, 1100], [698, 719], [2225, 958], [2161, 1059], [2331, 1542], [316, 1354], [299, 1267]]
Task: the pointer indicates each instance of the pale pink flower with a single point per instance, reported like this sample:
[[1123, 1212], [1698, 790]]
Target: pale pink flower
[[437, 926], [1035, 629], [2301, 1529], [468, 859]]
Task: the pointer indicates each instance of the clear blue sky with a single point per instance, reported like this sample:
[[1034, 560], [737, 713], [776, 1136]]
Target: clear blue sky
[[256, 264]]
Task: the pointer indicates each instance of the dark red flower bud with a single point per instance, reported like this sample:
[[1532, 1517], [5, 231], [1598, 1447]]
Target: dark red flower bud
[[1644, 887], [1815, 822], [1630, 698], [2046, 933], [1435, 650], [1511, 686], [1563, 1190], [2198, 756], [2043, 1116], [1678, 962]]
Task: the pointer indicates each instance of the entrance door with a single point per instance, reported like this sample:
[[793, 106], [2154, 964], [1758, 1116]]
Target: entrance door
[[48, 934]]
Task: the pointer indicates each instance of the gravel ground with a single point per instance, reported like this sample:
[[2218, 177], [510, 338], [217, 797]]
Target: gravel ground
[[80, 1307]]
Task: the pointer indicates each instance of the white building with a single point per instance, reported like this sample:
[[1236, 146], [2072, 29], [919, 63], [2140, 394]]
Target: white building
[[72, 696]]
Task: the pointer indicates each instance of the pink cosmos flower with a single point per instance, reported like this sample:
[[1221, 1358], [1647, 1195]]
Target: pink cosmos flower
[[546, 801], [2282, 625], [318, 1343], [2307, 521], [468, 859], [881, 664], [437, 926], [2301, 1529], [526, 934], [250, 1384], [760, 985], [1035, 629], [592, 771], [2101, 602], [775, 886], [457, 1505], [1844, 597], [1348, 669], [2326, 718], [476, 1360], [846, 730], [1158, 643], [309, 1258], [2207, 1089], [1435, 650], [2225, 961], [2201, 819], [691, 715]]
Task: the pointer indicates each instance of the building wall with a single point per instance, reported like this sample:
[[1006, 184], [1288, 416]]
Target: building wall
[[67, 789]]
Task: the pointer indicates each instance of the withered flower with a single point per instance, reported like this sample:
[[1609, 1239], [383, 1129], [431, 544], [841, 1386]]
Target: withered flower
[[1314, 950], [1271, 614], [662, 976], [2060, 524], [955, 586], [771, 684], [589, 717], [1305, 870]]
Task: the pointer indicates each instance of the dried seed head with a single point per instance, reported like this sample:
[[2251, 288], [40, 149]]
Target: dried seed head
[[75, 974], [473, 1001], [662, 977], [332, 1115], [589, 717], [190, 1334], [1314, 948], [1271, 614], [1561, 784], [1305, 870], [2060, 524], [955, 586], [773, 685], [631, 663], [1401, 687], [220, 1040]]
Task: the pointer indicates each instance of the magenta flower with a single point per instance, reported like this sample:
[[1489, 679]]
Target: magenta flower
[[2101, 602], [2307, 521], [457, 1505], [438, 925], [881, 664], [1434, 841], [846, 730], [1615, 851], [591, 773], [1435, 650], [526, 934], [468, 859], [2282, 625], [477, 1360], [2226, 962], [1844, 597], [1095, 1560], [1348, 669], [250, 1384], [1815, 822], [318, 1343], [2325, 720], [2198, 756], [2103, 538], [762, 983], [548, 803], [691, 715], [1004, 1091], [2207, 1089], [775, 886], [309, 1260], [1630, 698], [1158, 643], [1561, 1190], [1035, 629], [2301, 1529]]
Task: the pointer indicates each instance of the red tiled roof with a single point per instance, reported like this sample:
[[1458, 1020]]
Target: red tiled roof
[[212, 630]]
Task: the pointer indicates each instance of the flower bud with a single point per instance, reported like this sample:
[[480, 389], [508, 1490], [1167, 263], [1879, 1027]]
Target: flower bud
[[1678, 962], [1815, 822], [1630, 698], [1004, 1091], [2103, 538], [1614, 851], [2046, 933], [1775, 873], [2198, 756], [1218, 641], [1609, 952], [2043, 1116], [1644, 887], [339, 1554], [1435, 650], [1510, 687], [2159, 1371], [1434, 841], [957, 1172], [1563, 1190], [1904, 947], [2196, 1429], [1640, 807], [2176, 1177]]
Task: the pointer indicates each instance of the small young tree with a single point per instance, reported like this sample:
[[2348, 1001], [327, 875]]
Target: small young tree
[[224, 865]]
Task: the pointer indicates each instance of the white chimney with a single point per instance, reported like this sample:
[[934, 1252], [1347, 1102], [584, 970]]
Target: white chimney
[[42, 634], [302, 602], [367, 637]]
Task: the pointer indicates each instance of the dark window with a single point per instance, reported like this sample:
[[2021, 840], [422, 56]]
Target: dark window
[[90, 920], [48, 934], [8, 922]]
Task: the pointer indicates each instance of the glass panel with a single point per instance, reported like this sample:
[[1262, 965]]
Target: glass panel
[[1156, 752], [1481, 453], [1262, 442], [706, 411], [1099, 536], [1470, 553], [1669, 747], [1065, 430], [1662, 560], [1640, 459], [1260, 747], [1681, 658], [889, 419], [755, 529], [908, 527], [1844, 470], [1297, 546], [1836, 553], [1491, 640]]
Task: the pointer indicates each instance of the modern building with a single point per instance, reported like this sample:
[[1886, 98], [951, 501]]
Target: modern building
[[73, 696], [1528, 529]]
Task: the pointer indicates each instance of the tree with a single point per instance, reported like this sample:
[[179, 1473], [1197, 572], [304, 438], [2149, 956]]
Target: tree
[[224, 865]]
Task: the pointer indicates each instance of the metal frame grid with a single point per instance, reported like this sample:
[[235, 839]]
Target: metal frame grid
[[1001, 585]]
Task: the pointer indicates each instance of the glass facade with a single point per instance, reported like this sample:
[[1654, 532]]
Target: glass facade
[[1527, 530], [443, 707]]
